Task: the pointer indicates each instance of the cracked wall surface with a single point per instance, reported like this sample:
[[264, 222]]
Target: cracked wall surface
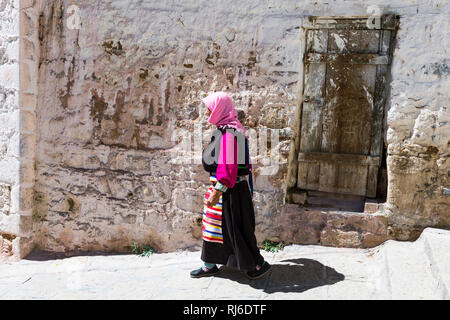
[[114, 86], [18, 72], [418, 134]]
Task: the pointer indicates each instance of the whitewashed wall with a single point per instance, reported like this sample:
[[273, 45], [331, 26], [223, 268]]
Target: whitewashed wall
[[112, 89], [18, 82]]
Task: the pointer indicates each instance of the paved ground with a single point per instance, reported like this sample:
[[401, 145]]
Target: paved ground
[[393, 270]]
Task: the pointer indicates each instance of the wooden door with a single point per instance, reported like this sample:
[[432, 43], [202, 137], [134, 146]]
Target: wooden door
[[343, 104]]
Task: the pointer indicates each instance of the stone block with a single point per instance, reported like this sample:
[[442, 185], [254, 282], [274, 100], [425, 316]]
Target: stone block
[[5, 198], [11, 51], [22, 246], [15, 198], [262, 182], [26, 172], [298, 225], [28, 50], [27, 121], [189, 199], [25, 226], [21, 199], [25, 77], [6, 249], [370, 207], [9, 224], [26, 198], [339, 238], [17, 225], [28, 101], [27, 146], [25, 4], [9, 76], [27, 26], [370, 240], [9, 166], [73, 159]]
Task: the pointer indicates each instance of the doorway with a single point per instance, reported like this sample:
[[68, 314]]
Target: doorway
[[341, 151]]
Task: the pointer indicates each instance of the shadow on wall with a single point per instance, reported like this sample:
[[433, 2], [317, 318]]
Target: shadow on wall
[[297, 276]]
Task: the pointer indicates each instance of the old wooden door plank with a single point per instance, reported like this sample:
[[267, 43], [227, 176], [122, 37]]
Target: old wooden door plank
[[311, 125], [336, 23], [372, 180], [385, 22], [376, 147], [355, 159], [317, 41], [378, 103], [349, 58], [347, 111], [344, 178], [385, 41], [353, 41], [341, 141], [308, 176]]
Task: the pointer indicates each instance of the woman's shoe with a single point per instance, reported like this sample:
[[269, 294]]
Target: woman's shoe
[[256, 274], [204, 273]]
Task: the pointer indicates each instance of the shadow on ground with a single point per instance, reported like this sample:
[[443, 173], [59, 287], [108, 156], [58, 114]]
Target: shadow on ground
[[296, 275], [40, 255]]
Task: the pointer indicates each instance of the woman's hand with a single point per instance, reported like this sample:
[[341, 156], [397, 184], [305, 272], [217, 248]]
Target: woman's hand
[[214, 198]]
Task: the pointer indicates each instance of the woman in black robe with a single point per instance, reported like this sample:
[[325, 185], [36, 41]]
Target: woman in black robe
[[228, 224]]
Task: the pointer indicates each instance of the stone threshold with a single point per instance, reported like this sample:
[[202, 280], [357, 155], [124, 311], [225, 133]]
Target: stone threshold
[[331, 227], [335, 202]]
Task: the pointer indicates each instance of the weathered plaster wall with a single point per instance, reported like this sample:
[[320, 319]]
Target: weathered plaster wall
[[112, 92], [418, 121], [9, 120], [18, 75]]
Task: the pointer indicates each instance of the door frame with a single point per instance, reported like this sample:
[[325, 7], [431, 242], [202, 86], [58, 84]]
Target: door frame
[[389, 21]]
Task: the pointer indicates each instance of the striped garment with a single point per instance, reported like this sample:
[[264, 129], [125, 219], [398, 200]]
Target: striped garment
[[212, 220]]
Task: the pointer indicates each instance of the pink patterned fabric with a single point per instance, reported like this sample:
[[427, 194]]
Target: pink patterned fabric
[[223, 113], [227, 166]]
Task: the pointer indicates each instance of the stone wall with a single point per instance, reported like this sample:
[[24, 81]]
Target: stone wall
[[111, 97], [116, 80], [18, 75], [418, 121]]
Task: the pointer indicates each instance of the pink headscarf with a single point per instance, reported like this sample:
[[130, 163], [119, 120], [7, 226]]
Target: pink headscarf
[[223, 114]]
